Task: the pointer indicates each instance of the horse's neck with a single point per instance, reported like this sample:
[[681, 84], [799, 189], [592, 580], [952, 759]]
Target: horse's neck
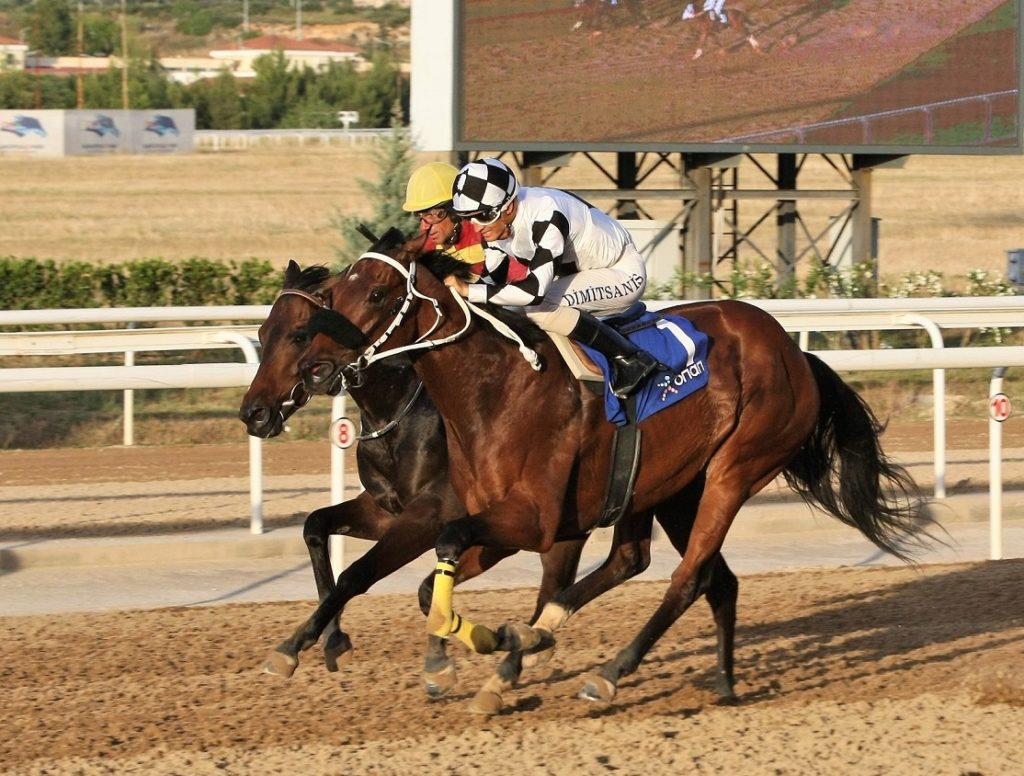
[[473, 378], [385, 391]]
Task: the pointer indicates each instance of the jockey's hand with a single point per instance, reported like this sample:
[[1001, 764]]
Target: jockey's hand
[[461, 286]]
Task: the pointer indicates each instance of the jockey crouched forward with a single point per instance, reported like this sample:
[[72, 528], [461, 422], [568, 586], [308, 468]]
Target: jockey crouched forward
[[428, 195], [578, 261]]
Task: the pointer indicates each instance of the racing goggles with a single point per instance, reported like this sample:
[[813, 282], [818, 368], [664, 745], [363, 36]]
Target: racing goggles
[[484, 217], [434, 215]]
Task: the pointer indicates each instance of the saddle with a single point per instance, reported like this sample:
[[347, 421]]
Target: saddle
[[673, 341]]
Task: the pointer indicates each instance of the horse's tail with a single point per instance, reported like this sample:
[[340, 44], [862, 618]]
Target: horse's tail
[[841, 468]]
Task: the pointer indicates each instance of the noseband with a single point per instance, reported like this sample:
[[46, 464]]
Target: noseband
[[298, 397]]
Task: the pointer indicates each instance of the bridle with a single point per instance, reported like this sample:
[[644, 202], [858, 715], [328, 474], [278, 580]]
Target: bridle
[[373, 353], [298, 397], [351, 375]]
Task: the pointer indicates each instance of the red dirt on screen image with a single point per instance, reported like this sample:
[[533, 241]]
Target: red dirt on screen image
[[534, 77]]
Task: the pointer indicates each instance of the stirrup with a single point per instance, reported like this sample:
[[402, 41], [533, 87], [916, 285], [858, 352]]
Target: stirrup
[[630, 372]]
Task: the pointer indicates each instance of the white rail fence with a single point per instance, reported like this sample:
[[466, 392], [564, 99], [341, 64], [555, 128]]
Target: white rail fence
[[228, 139], [797, 316]]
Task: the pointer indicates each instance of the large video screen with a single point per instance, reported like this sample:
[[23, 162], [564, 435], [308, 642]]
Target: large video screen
[[880, 76]]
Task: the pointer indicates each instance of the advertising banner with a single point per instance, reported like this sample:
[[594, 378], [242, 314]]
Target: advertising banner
[[86, 132], [164, 131], [32, 132], [98, 132]]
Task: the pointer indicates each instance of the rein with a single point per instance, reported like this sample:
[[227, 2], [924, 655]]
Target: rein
[[371, 354], [394, 422]]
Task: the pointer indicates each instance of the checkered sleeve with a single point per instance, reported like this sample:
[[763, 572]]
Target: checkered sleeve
[[549, 236]]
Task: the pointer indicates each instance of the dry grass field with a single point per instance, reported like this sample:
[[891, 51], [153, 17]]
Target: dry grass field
[[949, 214]]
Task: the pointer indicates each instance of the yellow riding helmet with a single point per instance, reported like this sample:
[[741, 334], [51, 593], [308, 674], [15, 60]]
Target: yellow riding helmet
[[429, 186]]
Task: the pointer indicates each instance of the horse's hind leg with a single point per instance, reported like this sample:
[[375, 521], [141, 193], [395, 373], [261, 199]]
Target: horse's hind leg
[[722, 499], [722, 594], [723, 586]]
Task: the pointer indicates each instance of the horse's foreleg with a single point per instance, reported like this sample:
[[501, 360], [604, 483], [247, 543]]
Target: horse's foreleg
[[409, 536], [438, 667], [514, 522], [629, 555], [559, 565], [360, 517]]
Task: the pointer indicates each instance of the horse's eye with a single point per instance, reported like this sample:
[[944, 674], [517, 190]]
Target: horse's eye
[[300, 337], [376, 296]]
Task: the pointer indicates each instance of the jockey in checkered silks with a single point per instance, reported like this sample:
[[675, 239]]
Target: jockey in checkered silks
[[580, 262]]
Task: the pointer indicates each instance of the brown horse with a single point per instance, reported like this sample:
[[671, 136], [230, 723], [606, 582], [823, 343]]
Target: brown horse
[[529, 450], [713, 23], [403, 466]]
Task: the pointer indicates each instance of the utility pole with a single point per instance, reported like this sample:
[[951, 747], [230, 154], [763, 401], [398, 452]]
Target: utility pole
[[124, 54], [245, 15], [79, 86]]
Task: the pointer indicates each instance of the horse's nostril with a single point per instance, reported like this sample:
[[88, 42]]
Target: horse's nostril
[[254, 416]]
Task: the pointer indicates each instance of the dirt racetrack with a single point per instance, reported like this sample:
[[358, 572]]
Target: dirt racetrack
[[841, 671], [859, 671]]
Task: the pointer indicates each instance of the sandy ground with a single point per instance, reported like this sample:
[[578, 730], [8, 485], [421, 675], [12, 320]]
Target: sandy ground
[[861, 671], [866, 671]]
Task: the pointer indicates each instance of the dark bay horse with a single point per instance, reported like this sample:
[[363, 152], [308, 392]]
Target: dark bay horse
[[408, 496], [404, 471], [529, 450]]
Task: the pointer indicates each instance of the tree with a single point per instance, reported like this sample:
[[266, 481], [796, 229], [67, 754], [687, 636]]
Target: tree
[[101, 36], [393, 157], [51, 30], [225, 103], [266, 98]]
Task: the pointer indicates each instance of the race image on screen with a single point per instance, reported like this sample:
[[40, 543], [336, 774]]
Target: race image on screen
[[927, 75]]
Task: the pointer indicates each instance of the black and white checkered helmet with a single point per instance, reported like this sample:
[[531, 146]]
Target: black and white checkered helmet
[[483, 186]]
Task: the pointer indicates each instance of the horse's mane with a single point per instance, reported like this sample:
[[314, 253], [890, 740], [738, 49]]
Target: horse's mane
[[392, 238], [308, 278]]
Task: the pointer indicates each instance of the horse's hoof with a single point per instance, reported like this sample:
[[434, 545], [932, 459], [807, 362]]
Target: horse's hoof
[[486, 703], [538, 659], [517, 637], [597, 688], [439, 683], [726, 693], [337, 651], [280, 664]]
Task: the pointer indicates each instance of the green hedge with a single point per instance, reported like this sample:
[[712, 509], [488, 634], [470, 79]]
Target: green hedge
[[30, 284]]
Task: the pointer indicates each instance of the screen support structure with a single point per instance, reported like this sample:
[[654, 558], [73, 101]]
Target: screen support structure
[[717, 218]]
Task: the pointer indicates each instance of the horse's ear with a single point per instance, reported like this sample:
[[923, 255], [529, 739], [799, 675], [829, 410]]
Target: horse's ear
[[414, 247], [291, 272]]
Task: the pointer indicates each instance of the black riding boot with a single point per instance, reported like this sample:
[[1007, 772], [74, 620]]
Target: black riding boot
[[630, 365]]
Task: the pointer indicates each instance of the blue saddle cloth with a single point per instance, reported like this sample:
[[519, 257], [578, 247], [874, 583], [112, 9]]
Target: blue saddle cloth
[[674, 342]]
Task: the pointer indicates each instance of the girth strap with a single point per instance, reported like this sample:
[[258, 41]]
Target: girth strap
[[625, 463]]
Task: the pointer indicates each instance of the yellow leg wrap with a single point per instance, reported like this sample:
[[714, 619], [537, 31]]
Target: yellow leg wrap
[[439, 620], [478, 638]]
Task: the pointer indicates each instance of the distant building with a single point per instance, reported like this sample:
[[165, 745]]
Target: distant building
[[187, 70], [313, 53], [69, 65], [12, 54]]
